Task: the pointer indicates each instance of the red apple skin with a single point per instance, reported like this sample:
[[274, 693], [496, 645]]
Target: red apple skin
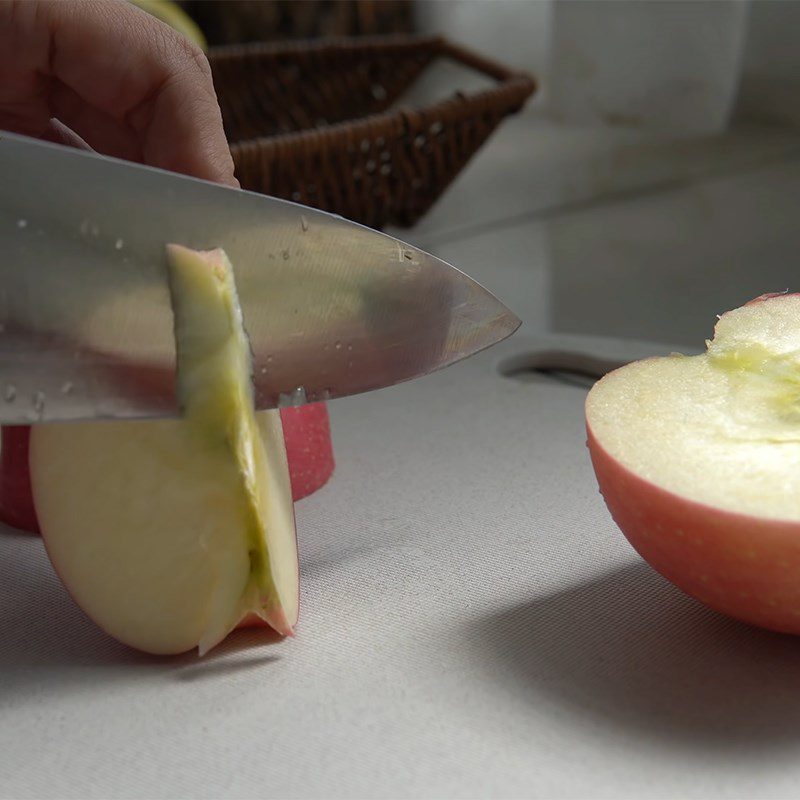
[[309, 450], [744, 566], [16, 497], [307, 433]]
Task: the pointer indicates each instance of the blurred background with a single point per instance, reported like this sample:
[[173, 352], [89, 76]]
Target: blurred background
[[650, 183]]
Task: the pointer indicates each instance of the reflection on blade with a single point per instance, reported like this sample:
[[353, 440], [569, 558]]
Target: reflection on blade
[[376, 314]]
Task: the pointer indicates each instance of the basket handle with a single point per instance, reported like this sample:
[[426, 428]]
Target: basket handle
[[480, 63]]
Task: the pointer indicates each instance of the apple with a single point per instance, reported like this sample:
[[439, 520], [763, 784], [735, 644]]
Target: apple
[[16, 500], [170, 533], [698, 460], [306, 431]]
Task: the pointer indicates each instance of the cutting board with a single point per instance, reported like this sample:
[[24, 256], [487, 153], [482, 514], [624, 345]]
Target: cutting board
[[472, 625]]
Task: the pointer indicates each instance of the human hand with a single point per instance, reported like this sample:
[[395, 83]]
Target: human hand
[[124, 82]]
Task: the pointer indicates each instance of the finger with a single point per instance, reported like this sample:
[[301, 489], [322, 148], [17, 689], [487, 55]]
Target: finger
[[126, 67], [24, 86], [99, 129], [146, 76]]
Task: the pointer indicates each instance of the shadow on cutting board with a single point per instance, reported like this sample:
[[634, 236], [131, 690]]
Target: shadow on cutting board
[[629, 650], [45, 637]]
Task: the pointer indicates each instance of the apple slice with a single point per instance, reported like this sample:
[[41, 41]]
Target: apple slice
[[168, 533], [306, 432], [698, 459]]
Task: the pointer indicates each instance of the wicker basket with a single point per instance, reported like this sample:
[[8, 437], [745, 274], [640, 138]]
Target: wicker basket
[[311, 122]]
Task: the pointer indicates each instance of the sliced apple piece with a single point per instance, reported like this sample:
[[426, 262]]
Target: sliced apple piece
[[306, 432], [698, 459], [168, 533]]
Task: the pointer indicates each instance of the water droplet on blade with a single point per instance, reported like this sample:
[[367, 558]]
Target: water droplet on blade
[[304, 224], [338, 345], [39, 400], [22, 223], [67, 387], [119, 244], [297, 397], [285, 255], [10, 394]]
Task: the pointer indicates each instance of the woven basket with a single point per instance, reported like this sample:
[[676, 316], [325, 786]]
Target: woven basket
[[311, 122]]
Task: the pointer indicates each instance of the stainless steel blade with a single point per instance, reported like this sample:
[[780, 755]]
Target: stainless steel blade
[[331, 308]]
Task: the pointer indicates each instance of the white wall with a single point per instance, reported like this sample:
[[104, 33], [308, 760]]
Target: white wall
[[681, 65], [770, 90], [514, 31]]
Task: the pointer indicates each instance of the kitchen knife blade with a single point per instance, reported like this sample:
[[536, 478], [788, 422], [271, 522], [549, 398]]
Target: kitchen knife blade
[[86, 331]]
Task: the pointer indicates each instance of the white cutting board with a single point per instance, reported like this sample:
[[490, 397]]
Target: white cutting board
[[473, 625]]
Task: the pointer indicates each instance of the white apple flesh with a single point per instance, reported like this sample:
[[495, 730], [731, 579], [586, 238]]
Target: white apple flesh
[[169, 533], [698, 459]]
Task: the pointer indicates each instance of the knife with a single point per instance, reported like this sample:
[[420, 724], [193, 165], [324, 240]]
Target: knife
[[331, 308]]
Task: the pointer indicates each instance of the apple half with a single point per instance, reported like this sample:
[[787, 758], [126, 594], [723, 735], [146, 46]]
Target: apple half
[[698, 460], [169, 533]]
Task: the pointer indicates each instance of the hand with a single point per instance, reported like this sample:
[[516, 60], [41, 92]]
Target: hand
[[124, 82]]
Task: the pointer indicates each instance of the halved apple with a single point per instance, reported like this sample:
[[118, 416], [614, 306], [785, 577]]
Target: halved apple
[[168, 533], [698, 459]]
